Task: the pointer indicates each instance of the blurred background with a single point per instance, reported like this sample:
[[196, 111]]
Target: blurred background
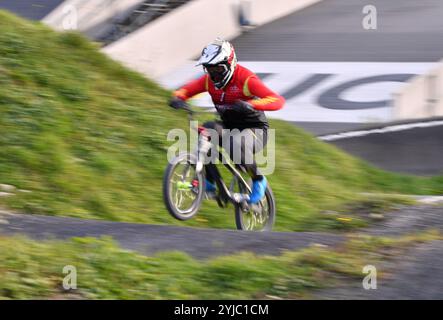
[[83, 137], [341, 65]]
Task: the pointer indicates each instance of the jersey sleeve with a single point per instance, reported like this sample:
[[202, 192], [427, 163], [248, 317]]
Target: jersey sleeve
[[192, 88], [266, 99]]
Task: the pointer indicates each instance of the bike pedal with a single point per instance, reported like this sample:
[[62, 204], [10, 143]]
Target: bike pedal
[[240, 197]]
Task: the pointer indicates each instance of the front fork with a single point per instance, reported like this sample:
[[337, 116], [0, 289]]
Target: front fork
[[202, 152]]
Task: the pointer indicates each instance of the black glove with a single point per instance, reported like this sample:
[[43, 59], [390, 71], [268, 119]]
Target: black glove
[[178, 103], [241, 105]]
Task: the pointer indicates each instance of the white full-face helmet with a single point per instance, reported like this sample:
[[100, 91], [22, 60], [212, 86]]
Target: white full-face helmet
[[219, 61]]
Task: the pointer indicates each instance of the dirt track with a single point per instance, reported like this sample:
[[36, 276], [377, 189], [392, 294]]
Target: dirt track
[[418, 275], [415, 275], [148, 239]]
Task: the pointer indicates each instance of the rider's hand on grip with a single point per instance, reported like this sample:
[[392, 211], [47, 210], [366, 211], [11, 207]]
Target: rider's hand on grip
[[178, 103]]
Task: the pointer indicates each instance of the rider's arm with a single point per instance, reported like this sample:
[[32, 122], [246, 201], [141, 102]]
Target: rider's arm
[[267, 100], [192, 88]]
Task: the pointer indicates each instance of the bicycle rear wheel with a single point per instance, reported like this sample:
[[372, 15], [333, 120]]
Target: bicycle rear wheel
[[182, 187]]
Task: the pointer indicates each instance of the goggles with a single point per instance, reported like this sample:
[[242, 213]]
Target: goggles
[[217, 72]]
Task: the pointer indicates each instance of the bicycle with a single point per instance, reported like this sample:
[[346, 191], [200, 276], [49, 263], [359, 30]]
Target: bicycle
[[184, 188]]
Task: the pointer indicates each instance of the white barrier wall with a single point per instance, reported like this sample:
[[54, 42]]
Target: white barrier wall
[[84, 15], [168, 41], [263, 11], [173, 39], [422, 97]]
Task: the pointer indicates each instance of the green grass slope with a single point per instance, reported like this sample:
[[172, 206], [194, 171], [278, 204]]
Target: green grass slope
[[34, 270], [87, 137]]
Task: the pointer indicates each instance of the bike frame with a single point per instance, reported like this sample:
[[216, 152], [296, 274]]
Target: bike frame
[[225, 194]]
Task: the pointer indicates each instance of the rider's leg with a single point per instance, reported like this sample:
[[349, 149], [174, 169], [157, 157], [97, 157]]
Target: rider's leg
[[247, 143], [210, 168], [211, 172], [242, 147]]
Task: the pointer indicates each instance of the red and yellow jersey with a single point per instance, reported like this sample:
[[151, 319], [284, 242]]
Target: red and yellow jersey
[[244, 85]]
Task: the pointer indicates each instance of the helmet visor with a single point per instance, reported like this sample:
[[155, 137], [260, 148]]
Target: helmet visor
[[217, 72]]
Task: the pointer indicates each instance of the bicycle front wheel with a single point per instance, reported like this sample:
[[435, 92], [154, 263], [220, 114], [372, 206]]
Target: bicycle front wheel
[[182, 187]]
